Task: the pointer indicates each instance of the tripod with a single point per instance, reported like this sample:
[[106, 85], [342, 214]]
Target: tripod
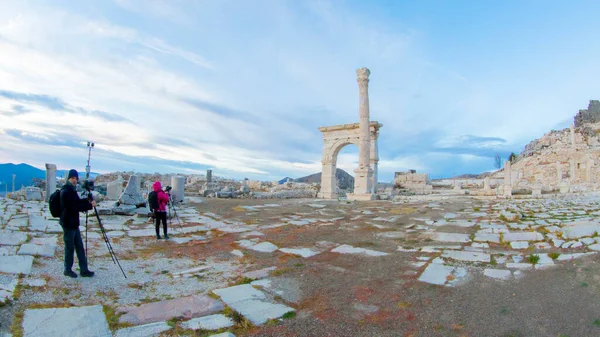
[[172, 205], [104, 235]]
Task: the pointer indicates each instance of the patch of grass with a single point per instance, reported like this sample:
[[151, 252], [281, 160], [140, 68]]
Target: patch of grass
[[493, 261], [243, 280], [298, 265], [365, 244], [595, 235], [16, 328], [533, 258], [289, 314], [503, 218], [279, 272], [439, 327], [504, 310], [239, 320], [113, 318], [597, 323], [135, 286], [164, 272], [404, 305], [554, 255], [584, 284], [476, 209]]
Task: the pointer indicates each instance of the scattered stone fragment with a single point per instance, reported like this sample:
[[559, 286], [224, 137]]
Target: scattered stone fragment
[[483, 237], [190, 272], [436, 274], [451, 237], [520, 266], [237, 252], [519, 244], [261, 273], [264, 247], [595, 247], [304, 252]]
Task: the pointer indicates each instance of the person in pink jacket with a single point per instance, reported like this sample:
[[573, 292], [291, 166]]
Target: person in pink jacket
[[160, 214]]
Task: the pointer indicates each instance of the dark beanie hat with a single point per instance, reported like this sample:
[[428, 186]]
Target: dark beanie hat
[[73, 173]]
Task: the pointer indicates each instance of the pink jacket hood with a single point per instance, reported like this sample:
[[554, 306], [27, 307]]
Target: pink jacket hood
[[157, 186]]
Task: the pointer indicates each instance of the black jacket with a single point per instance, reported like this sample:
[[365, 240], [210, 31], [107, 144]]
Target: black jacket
[[71, 205]]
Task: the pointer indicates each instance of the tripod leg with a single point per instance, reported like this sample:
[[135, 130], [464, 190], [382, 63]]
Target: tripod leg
[[86, 236]]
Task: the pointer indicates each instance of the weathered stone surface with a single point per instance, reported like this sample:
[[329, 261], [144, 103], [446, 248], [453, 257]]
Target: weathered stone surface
[[523, 236], [580, 230], [466, 256], [520, 266], [486, 237], [436, 274], [223, 334], [16, 264], [347, 249], [264, 247], [304, 252], [258, 274], [251, 303], [10, 238], [124, 209], [186, 307], [146, 330], [519, 244], [212, 322], [37, 250], [82, 321], [132, 195], [451, 237]]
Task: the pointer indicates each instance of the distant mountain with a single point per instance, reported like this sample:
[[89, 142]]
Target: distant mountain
[[344, 180], [25, 174], [284, 180]]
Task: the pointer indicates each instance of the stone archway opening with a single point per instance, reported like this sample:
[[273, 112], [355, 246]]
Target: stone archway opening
[[337, 137]]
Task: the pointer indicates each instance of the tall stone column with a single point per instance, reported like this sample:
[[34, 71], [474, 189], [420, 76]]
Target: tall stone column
[[328, 181], [558, 173], [507, 179], [363, 174], [208, 176], [50, 180], [374, 161], [572, 135], [572, 170]]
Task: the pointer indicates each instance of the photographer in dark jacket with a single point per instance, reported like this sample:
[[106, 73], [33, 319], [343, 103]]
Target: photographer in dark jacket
[[71, 205]]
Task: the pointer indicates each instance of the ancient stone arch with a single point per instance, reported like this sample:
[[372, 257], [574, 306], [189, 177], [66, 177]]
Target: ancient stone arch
[[337, 137], [365, 135]]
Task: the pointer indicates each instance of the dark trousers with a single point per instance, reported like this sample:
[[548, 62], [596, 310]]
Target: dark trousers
[[160, 216], [73, 243]]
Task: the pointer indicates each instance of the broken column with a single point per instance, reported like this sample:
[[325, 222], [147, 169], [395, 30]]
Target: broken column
[[571, 170], [50, 180], [208, 176], [178, 184], [486, 184], [507, 179], [132, 195], [114, 189], [363, 174]]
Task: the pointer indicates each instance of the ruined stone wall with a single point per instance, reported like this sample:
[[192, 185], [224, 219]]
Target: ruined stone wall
[[589, 115]]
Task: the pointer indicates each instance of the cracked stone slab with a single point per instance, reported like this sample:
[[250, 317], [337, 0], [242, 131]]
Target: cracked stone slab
[[212, 322], [576, 231], [519, 244], [146, 330], [82, 321], [261, 273], [436, 274], [17, 264], [186, 307], [8, 250], [347, 249], [520, 266], [264, 247], [466, 256], [567, 257], [251, 303]]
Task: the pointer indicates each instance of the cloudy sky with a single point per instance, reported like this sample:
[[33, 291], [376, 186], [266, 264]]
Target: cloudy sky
[[241, 86]]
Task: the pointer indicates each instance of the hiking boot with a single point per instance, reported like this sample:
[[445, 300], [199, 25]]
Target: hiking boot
[[158, 237], [70, 273], [166, 237], [86, 273]]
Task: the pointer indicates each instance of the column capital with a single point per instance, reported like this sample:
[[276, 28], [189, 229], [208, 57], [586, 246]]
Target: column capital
[[362, 75]]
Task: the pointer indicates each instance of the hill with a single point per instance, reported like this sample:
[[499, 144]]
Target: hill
[[345, 181], [25, 174]]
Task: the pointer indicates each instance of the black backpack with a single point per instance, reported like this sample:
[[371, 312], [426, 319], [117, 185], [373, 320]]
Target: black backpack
[[54, 204], [153, 201]]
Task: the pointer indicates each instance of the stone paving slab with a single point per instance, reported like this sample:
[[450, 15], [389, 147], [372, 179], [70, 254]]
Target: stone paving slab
[[347, 249], [251, 303], [576, 231], [212, 322], [467, 256], [146, 330], [487, 237], [187, 307], [8, 250], [523, 236], [451, 237], [264, 247], [16, 264], [258, 274], [10, 238], [37, 250], [37, 223], [520, 266], [76, 321], [304, 252], [436, 274]]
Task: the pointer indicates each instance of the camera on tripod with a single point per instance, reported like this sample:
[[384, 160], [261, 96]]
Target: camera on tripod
[[168, 189], [88, 185]]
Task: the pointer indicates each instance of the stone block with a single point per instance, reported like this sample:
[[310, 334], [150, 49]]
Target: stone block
[[75, 321], [186, 307]]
